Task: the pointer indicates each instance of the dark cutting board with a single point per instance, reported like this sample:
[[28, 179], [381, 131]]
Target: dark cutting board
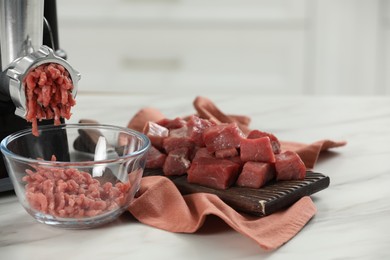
[[260, 202]]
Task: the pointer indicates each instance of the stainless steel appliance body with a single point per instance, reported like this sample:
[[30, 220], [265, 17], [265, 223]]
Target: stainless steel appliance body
[[28, 38]]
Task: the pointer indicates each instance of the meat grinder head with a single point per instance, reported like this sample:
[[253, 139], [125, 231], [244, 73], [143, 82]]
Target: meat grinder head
[[22, 24]]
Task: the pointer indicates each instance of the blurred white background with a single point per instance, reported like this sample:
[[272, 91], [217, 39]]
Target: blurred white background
[[274, 47]]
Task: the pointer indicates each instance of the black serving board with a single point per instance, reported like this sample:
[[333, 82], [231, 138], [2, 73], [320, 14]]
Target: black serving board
[[274, 196]]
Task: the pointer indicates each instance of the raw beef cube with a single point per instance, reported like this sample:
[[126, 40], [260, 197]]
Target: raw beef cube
[[289, 166], [172, 143], [258, 150], [236, 159], [156, 133], [178, 138], [213, 172], [222, 136], [196, 127], [155, 159], [226, 153], [201, 153], [255, 174], [274, 140], [172, 123], [179, 132], [177, 162]]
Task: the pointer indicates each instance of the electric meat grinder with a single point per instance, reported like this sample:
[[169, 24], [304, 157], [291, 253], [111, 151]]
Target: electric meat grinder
[[29, 38]]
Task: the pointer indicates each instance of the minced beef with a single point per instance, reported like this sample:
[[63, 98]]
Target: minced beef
[[48, 90], [70, 193]]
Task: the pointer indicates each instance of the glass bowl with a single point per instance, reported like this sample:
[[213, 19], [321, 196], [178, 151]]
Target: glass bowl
[[76, 175]]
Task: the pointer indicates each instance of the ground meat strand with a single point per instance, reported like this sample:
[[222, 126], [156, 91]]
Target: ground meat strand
[[70, 193], [48, 90]]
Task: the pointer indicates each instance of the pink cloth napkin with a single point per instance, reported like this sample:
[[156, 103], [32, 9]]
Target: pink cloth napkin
[[160, 204]]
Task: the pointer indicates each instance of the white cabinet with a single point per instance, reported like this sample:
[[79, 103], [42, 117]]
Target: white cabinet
[[285, 47], [181, 60], [193, 46]]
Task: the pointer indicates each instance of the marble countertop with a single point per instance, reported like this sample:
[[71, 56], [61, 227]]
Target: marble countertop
[[353, 218]]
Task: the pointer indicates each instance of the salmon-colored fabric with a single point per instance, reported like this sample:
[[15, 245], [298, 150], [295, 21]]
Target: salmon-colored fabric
[[160, 204], [137, 122], [309, 153]]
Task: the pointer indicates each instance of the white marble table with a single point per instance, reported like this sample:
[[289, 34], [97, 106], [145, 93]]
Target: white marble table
[[353, 219]]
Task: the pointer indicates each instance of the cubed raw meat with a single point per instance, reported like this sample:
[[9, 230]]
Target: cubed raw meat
[[222, 136], [196, 127], [274, 140], [172, 143], [258, 150], [289, 166], [213, 172], [177, 162], [155, 159], [226, 153], [179, 132], [201, 153], [156, 133], [172, 123], [255, 174], [237, 160]]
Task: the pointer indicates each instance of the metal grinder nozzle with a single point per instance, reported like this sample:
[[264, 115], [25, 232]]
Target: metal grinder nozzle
[[18, 70]]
